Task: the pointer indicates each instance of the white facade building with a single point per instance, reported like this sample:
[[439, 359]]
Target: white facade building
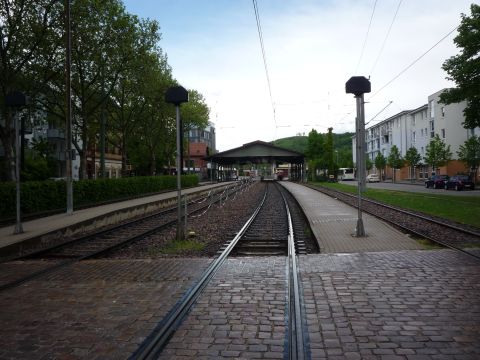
[[415, 128]]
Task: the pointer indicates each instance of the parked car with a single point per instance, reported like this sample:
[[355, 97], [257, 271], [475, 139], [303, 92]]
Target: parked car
[[373, 178], [459, 182], [436, 181]]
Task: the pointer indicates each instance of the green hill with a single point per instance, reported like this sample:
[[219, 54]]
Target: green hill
[[342, 144]]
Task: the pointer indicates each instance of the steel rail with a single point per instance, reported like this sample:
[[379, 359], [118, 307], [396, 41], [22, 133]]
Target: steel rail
[[297, 348], [93, 254], [154, 346]]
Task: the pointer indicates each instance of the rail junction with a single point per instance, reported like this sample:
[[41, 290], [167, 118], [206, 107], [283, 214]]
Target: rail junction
[[260, 296]]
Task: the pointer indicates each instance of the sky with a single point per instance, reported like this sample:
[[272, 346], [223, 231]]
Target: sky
[[312, 47]]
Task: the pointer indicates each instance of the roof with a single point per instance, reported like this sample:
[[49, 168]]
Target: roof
[[256, 152]]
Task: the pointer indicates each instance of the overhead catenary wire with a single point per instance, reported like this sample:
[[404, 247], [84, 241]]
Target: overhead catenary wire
[[366, 36], [386, 38], [260, 36], [413, 63]]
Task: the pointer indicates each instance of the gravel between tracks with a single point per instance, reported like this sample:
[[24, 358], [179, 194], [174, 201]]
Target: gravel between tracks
[[212, 229]]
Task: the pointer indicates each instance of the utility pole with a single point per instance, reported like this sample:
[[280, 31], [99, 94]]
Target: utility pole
[[359, 85]]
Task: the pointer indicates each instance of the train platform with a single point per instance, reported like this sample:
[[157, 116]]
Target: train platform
[[49, 229], [333, 224]]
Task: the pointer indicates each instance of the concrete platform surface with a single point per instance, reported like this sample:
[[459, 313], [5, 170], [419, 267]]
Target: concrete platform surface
[[383, 305], [333, 224], [38, 227]]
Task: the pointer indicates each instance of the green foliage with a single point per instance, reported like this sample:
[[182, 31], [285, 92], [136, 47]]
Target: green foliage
[[38, 169], [368, 164], [182, 246], [462, 209], [437, 153], [463, 68], [469, 153], [412, 157], [294, 143], [329, 159], [380, 163], [39, 196], [395, 160], [342, 147]]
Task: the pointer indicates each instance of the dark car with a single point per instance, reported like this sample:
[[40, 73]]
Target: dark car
[[436, 181], [459, 182]]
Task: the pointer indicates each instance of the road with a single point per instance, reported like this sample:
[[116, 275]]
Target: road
[[416, 187]]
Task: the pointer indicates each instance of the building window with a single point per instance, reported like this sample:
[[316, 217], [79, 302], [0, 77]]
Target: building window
[[443, 111], [443, 133], [414, 138], [432, 109], [423, 151]]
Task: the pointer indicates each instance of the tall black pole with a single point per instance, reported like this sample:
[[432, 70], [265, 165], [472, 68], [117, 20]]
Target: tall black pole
[[68, 112], [180, 233], [18, 223], [359, 85]]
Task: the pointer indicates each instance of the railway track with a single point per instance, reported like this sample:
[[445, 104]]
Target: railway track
[[275, 238], [105, 241], [443, 232]]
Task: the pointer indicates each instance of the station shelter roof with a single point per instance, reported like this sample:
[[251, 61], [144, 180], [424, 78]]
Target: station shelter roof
[[256, 152]]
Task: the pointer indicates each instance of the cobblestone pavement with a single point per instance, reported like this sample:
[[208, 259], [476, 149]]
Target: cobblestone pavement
[[397, 305], [384, 305], [93, 310], [241, 315]]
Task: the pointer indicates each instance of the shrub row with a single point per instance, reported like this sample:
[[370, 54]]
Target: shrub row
[[40, 196]]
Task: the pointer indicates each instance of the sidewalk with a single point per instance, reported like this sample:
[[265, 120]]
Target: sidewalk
[[43, 231]]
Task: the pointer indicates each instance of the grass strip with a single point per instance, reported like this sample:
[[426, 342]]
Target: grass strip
[[462, 209]]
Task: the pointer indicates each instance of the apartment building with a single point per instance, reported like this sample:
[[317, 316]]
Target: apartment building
[[415, 128]]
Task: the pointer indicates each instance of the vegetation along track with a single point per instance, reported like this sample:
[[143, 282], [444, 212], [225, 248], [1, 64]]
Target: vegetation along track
[[104, 241], [269, 231], [444, 232]]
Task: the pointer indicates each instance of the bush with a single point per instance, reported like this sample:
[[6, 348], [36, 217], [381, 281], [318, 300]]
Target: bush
[[40, 196]]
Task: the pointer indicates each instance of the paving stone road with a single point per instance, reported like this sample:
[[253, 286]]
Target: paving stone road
[[384, 305]]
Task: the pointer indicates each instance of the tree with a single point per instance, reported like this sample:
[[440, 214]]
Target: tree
[[380, 163], [437, 153], [395, 160], [368, 164], [328, 154], [469, 153], [412, 157], [314, 152], [128, 100], [463, 69], [25, 26]]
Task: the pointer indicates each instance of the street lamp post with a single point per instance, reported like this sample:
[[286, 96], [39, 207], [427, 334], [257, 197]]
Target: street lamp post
[[16, 100], [359, 85], [177, 95], [68, 110]]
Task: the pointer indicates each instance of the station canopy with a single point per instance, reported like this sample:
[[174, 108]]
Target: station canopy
[[256, 152]]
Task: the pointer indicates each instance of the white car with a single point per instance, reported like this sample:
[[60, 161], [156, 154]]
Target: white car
[[373, 178]]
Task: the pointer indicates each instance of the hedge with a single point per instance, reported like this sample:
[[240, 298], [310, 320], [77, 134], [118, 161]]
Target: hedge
[[41, 196]]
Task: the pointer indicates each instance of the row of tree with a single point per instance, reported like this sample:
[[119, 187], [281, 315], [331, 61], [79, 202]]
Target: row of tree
[[437, 154], [464, 70], [119, 76]]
